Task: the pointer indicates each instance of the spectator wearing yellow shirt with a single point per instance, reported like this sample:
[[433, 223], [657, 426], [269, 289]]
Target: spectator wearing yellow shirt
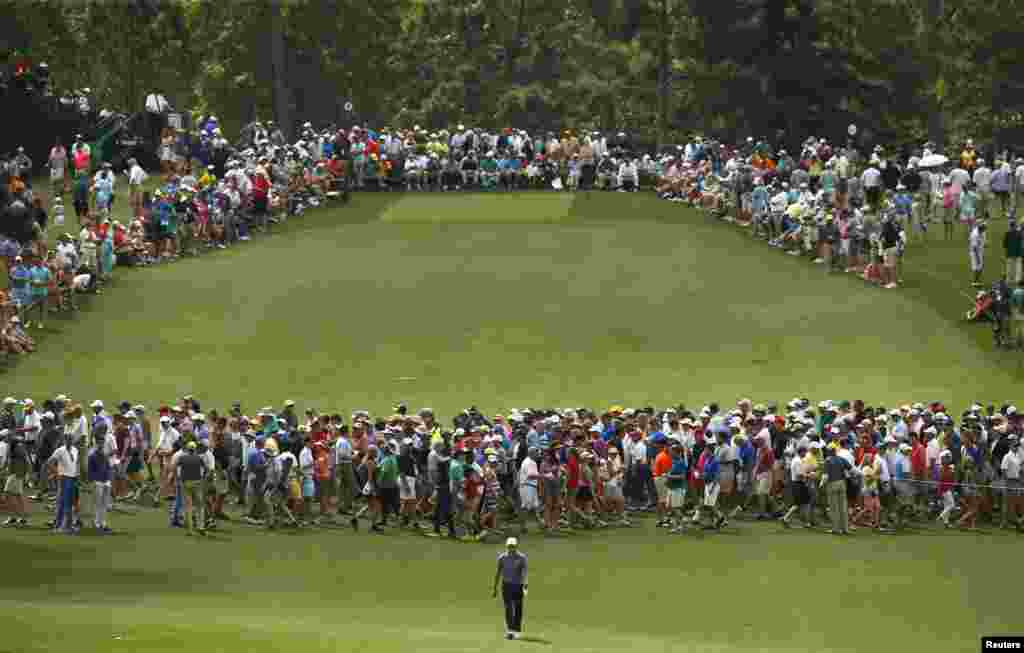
[[968, 157]]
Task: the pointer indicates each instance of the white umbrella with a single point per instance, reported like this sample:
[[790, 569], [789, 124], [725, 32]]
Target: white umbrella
[[932, 161]]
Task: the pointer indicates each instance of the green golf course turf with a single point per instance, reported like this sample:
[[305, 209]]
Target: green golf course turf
[[512, 300], [752, 587], [508, 301]]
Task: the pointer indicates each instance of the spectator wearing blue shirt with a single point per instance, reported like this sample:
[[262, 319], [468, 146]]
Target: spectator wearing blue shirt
[[101, 473], [901, 475], [903, 203], [257, 467], [710, 474]]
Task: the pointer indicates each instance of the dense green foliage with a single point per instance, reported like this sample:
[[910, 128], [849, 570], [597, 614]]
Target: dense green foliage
[[895, 68]]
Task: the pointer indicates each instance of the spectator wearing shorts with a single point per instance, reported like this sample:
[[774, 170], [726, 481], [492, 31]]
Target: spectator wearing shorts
[[950, 207], [676, 484], [660, 469]]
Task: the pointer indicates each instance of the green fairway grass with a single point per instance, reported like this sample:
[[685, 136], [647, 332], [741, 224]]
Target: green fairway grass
[[752, 587], [509, 300], [513, 300]]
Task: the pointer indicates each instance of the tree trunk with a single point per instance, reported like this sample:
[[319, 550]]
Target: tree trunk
[[512, 52], [936, 112], [663, 81], [282, 102]]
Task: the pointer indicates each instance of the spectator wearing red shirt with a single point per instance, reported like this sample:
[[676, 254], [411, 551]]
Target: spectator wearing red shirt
[[864, 446], [696, 482], [261, 196], [572, 481], [763, 475], [322, 474], [919, 470]]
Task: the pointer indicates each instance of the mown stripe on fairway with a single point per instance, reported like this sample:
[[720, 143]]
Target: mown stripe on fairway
[[643, 302], [483, 208]]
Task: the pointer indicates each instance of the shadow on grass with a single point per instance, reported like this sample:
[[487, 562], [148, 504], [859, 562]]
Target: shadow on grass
[[528, 639], [72, 565], [363, 208]]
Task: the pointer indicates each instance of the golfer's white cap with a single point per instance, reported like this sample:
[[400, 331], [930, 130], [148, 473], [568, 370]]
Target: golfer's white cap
[[511, 542]]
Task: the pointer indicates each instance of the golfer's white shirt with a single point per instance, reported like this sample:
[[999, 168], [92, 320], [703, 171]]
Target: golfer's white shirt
[[1019, 176], [1011, 465]]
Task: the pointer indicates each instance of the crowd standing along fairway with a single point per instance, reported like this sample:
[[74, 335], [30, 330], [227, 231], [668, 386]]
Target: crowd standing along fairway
[[528, 299]]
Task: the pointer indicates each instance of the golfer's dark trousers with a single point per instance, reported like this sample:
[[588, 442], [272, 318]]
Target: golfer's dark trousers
[[512, 595], [443, 509]]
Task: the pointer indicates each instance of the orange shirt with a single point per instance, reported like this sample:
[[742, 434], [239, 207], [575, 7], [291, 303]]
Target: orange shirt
[[662, 463], [322, 464]]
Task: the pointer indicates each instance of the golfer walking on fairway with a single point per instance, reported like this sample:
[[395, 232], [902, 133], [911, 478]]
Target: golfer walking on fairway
[[512, 574]]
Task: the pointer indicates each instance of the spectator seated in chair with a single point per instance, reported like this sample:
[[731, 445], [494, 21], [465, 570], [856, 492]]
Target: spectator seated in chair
[[629, 176], [13, 338], [470, 171]]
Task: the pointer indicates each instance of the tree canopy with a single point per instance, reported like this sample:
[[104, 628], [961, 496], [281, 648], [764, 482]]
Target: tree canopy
[[662, 69]]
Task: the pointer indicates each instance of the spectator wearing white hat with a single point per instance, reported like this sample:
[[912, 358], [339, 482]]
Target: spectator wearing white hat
[[31, 426], [166, 440]]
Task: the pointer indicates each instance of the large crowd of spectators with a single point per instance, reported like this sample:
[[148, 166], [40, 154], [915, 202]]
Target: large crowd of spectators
[[835, 464], [857, 214]]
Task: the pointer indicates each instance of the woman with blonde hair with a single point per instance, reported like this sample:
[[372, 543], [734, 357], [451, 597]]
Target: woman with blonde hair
[[870, 472], [551, 487]]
